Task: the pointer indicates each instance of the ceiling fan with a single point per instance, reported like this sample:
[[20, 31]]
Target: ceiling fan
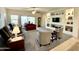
[[34, 10]]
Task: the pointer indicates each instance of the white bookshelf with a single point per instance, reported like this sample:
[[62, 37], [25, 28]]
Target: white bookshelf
[[69, 15]]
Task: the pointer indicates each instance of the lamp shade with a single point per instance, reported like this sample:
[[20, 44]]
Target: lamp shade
[[16, 30]]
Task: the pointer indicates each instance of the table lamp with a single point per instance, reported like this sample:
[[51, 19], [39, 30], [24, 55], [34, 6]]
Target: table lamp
[[16, 30]]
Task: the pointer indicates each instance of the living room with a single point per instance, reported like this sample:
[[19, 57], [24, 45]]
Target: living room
[[41, 28]]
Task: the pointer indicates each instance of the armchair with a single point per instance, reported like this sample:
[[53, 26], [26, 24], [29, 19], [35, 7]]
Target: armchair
[[44, 38], [30, 27]]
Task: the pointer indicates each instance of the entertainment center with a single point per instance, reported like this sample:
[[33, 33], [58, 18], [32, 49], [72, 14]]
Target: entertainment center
[[61, 19], [54, 21]]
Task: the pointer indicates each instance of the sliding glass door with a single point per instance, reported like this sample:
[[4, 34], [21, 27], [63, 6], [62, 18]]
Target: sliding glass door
[[27, 19], [31, 19], [24, 20]]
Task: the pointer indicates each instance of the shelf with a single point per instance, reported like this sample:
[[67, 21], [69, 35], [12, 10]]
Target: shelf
[[69, 28], [69, 33], [69, 24], [56, 23]]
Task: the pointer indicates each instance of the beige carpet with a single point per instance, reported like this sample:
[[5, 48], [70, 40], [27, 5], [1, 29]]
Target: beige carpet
[[32, 41]]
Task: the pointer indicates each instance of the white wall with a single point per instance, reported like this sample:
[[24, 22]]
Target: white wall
[[43, 20], [76, 23], [3, 18]]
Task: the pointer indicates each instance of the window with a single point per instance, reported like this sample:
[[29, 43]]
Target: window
[[26, 19], [31, 19], [14, 19]]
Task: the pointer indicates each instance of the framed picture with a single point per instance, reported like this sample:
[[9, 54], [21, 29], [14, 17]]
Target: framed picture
[[70, 18]]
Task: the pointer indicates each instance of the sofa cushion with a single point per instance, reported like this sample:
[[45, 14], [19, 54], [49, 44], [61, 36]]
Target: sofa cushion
[[5, 33]]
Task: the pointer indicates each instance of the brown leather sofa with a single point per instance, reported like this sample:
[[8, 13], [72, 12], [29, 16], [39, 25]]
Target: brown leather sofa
[[5, 34]]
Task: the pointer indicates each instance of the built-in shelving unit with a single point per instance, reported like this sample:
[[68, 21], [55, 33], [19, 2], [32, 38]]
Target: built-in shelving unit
[[55, 19], [69, 15], [66, 20]]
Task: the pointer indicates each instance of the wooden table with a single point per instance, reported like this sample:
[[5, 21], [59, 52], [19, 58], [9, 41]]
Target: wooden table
[[16, 43]]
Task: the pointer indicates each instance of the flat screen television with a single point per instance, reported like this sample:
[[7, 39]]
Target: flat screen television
[[56, 19]]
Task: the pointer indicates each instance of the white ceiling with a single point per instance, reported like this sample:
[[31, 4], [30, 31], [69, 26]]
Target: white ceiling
[[38, 9]]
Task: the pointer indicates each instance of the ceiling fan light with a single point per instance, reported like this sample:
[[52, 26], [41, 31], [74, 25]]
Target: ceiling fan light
[[33, 12]]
